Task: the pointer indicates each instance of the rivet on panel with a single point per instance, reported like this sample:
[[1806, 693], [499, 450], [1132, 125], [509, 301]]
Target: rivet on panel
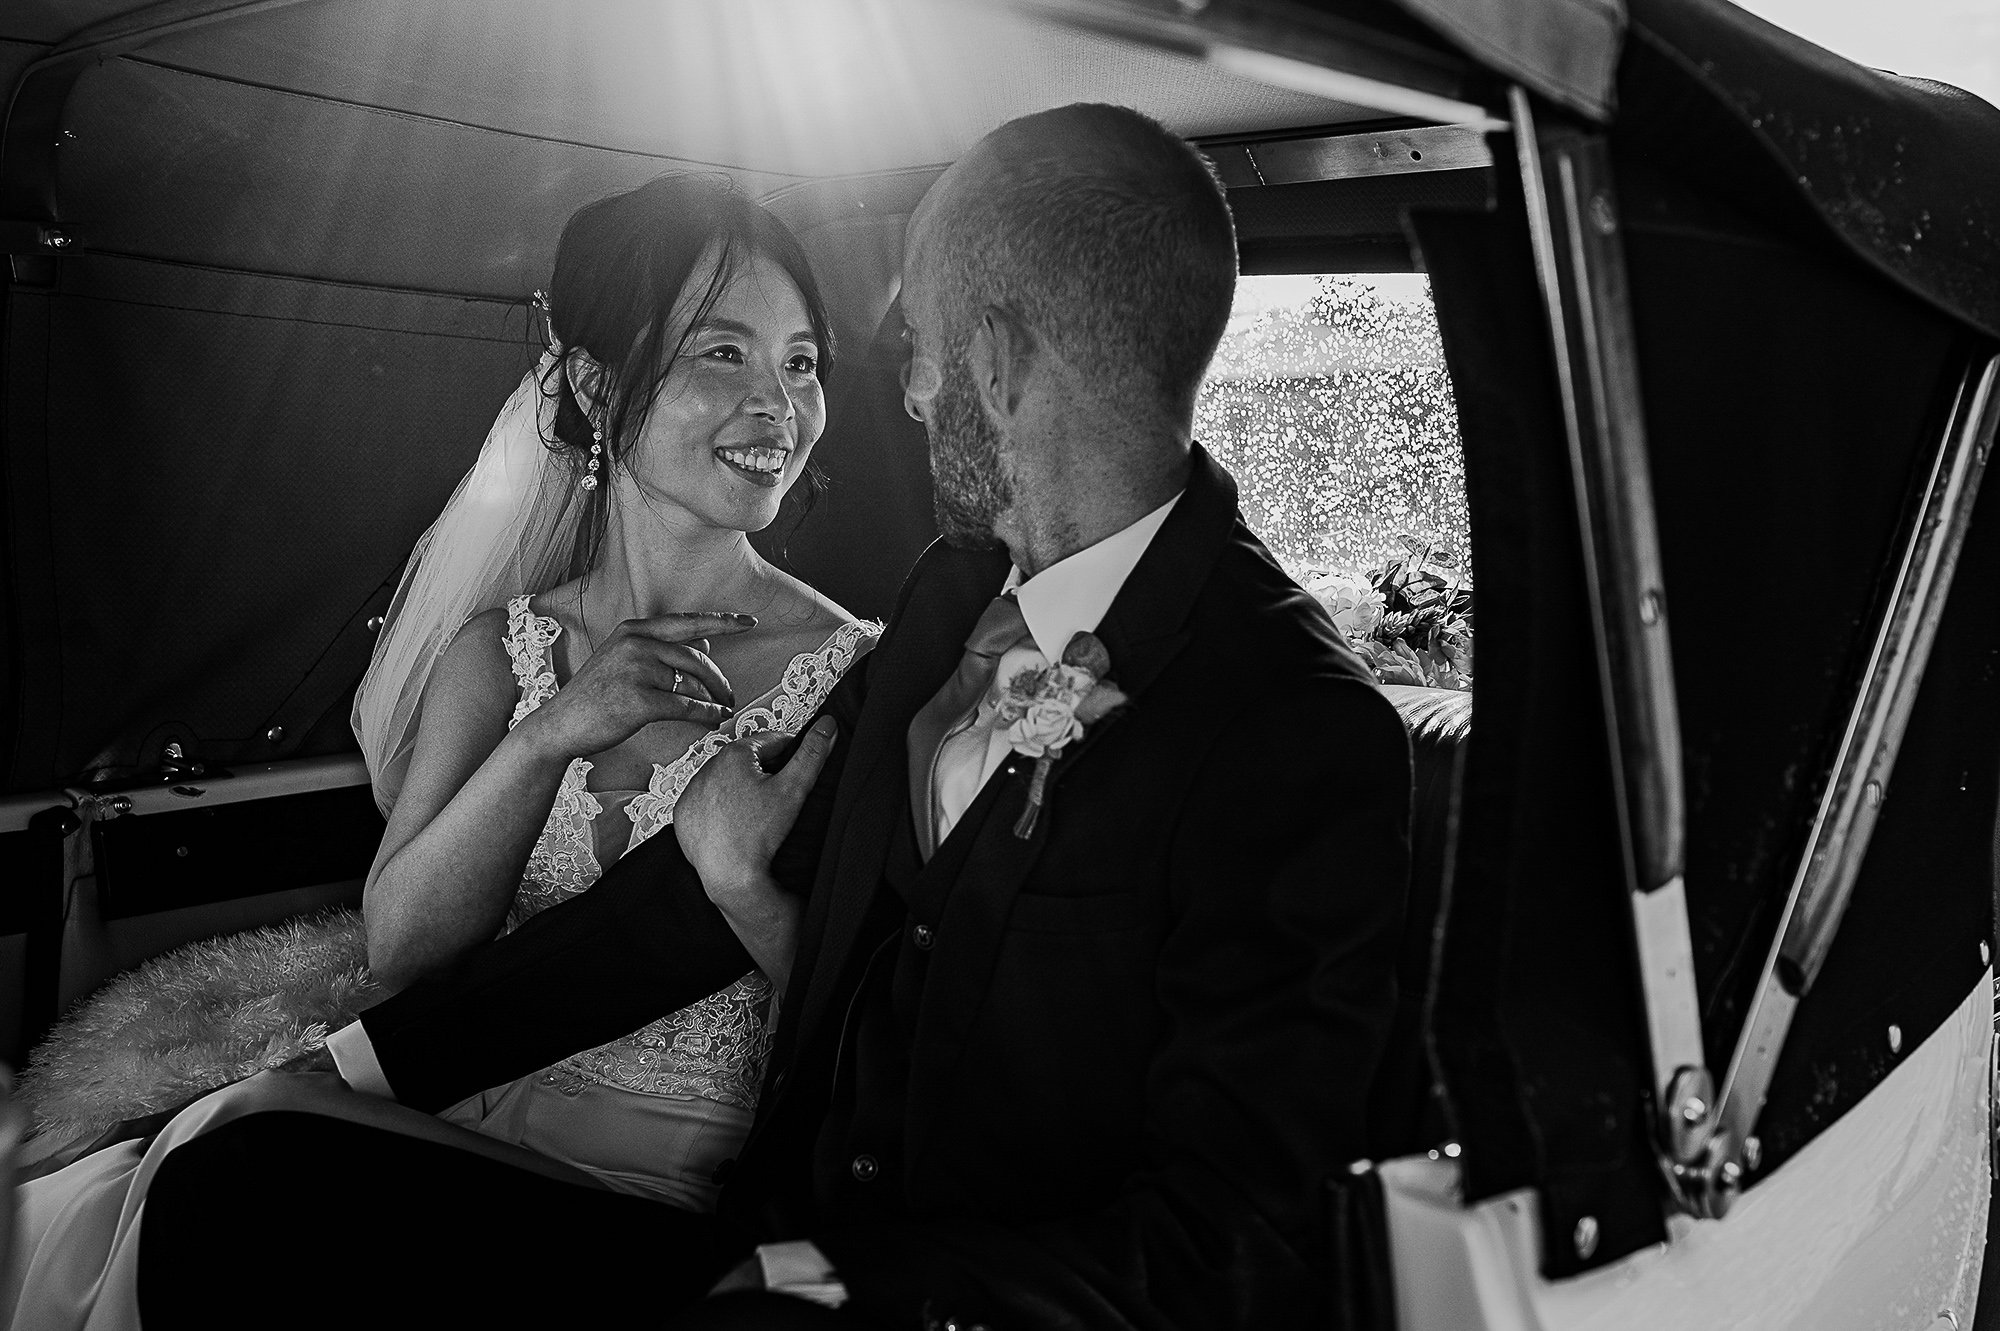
[[1586, 1237], [375, 623], [1895, 1039], [275, 734], [1602, 215]]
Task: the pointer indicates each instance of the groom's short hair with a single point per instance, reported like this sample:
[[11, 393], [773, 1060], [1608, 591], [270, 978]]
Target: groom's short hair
[[1111, 237]]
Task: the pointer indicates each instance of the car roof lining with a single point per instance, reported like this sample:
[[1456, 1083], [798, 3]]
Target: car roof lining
[[778, 88]]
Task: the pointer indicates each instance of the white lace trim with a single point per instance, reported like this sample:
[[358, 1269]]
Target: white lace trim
[[563, 862], [801, 692], [716, 1047], [529, 637]]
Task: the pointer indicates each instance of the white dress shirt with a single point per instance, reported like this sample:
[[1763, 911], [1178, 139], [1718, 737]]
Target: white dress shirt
[[1068, 597], [354, 1058]]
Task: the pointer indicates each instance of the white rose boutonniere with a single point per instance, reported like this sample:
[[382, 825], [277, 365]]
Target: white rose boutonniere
[[1045, 708]]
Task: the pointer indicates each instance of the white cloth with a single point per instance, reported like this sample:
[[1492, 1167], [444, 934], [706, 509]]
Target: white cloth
[[1068, 597], [800, 1269], [76, 1252], [666, 1147], [354, 1055]]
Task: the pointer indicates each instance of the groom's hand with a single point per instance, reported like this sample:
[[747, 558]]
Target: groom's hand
[[734, 813], [730, 822]]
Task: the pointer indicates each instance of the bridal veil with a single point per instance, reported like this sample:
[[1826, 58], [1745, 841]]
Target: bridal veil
[[510, 528]]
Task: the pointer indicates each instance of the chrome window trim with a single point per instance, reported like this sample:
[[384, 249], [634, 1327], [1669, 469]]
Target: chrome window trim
[[1859, 781], [1246, 165], [1573, 226]]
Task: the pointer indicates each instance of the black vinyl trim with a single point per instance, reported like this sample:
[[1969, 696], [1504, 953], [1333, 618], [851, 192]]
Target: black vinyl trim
[[166, 861], [276, 275], [290, 318], [34, 907]]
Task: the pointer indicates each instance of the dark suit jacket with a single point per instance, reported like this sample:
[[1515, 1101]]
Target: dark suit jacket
[[1147, 1032]]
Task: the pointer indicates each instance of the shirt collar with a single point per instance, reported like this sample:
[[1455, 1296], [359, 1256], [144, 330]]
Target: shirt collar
[[1072, 595]]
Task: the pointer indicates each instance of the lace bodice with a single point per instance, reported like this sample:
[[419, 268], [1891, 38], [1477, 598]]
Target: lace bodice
[[716, 1047]]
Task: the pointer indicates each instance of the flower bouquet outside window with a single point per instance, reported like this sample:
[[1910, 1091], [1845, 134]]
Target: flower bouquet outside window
[[1329, 402], [1410, 618]]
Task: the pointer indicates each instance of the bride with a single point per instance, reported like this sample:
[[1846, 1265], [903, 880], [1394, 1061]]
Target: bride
[[584, 625], [558, 729]]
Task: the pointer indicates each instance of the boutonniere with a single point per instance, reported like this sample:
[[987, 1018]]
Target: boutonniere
[[1044, 708]]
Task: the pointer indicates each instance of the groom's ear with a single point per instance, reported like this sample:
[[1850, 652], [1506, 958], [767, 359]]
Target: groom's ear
[[586, 380], [1004, 357]]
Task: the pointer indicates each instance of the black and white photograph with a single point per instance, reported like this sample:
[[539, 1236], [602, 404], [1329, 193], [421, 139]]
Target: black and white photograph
[[809, 665]]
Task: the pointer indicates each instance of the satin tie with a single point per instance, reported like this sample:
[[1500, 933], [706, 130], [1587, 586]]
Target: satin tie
[[999, 628]]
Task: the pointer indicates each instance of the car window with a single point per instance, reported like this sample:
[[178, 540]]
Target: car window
[[1329, 402]]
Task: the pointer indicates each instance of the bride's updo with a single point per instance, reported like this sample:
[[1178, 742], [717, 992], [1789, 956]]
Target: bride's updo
[[621, 267]]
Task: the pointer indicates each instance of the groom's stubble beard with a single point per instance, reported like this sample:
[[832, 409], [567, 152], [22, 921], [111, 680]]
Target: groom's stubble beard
[[971, 488]]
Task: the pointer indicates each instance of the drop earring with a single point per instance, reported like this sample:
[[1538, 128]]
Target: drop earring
[[589, 481]]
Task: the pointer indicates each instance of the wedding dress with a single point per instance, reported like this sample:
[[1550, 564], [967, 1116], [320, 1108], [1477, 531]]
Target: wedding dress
[[653, 1113], [658, 1111]]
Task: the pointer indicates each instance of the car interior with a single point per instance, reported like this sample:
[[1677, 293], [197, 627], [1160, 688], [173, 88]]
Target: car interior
[[292, 282], [272, 268]]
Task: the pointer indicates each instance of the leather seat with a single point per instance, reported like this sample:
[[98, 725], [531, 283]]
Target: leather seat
[[1405, 1109]]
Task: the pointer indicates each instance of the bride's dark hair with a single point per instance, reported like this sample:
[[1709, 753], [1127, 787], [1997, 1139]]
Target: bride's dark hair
[[621, 266]]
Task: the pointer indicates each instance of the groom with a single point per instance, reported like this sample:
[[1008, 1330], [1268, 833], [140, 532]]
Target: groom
[[1073, 1038]]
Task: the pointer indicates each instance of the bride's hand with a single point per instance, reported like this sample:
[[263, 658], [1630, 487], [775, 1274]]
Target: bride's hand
[[645, 670]]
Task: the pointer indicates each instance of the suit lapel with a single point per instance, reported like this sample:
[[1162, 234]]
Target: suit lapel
[[1145, 628], [919, 651]]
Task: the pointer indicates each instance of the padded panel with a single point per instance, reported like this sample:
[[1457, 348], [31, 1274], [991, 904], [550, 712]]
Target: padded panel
[[1915, 937], [1406, 1113], [1781, 481], [1535, 1019], [169, 861], [15, 57], [52, 20], [811, 87], [174, 166], [235, 469]]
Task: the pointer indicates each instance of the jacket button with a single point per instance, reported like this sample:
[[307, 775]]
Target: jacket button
[[923, 936], [865, 1168]]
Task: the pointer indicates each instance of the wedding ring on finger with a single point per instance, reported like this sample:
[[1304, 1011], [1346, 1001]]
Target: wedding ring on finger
[[676, 687]]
